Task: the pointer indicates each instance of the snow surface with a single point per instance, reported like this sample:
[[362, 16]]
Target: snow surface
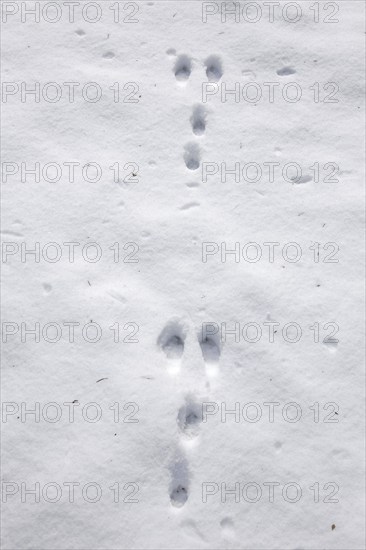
[[166, 208]]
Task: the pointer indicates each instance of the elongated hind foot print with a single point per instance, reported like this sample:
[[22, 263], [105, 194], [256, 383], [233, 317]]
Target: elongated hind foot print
[[192, 156], [198, 120], [179, 485], [211, 350]]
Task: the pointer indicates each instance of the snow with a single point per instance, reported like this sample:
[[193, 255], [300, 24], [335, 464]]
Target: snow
[[157, 145]]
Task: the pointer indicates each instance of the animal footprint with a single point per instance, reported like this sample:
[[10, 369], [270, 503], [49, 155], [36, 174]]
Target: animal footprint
[[180, 482], [210, 347], [192, 156], [198, 120], [179, 496], [214, 70], [189, 418], [108, 55], [182, 68], [285, 71], [227, 526], [171, 341]]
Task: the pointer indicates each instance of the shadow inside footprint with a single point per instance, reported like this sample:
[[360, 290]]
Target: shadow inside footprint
[[190, 417], [192, 156], [174, 347], [227, 526], [182, 68], [210, 350], [179, 496], [285, 71], [214, 69], [180, 482], [198, 120], [171, 341]]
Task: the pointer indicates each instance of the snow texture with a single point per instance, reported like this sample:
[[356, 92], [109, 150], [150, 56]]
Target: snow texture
[[216, 386]]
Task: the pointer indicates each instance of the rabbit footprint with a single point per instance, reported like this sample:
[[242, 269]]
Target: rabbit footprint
[[171, 341], [179, 485], [182, 68], [211, 350], [190, 417]]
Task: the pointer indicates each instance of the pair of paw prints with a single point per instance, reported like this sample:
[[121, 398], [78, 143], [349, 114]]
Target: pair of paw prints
[[189, 419], [172, 342], [192, 154], [183, 67]]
